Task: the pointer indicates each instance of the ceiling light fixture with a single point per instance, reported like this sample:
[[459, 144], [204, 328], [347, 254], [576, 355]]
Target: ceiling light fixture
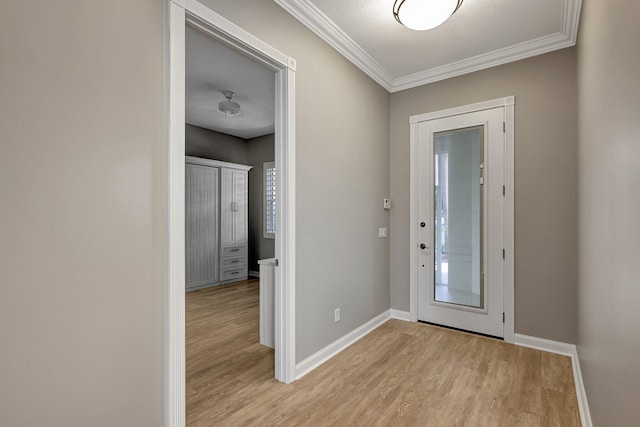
[[423, 15], [229, 108]]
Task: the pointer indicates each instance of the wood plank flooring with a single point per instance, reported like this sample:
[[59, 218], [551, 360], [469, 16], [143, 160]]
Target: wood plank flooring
[[401, 374]]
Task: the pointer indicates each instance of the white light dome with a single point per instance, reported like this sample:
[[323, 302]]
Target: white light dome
[[424, 14]]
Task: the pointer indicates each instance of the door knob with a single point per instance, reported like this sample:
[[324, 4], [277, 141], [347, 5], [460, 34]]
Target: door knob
[[423, 246]]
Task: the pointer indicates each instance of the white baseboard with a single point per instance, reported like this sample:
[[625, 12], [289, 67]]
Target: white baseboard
[[254, 273], [566, 350], [400, 315], [317, 359], [545, 345]]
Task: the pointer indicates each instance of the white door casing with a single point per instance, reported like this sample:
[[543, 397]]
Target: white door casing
[[193, 13], [496, 117]]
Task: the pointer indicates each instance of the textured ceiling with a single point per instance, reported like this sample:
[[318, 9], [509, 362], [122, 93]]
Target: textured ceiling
[[481, 34], [212, 68]]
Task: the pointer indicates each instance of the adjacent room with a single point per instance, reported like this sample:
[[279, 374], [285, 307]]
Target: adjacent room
[[230, 191]]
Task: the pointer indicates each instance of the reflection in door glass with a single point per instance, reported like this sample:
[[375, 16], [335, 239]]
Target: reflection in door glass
[[458, 180]]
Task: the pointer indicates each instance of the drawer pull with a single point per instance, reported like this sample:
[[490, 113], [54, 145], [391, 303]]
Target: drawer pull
[[235, 272], [235, 261], [235, 250]]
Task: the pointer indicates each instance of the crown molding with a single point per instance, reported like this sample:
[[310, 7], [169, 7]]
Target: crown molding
[[319, 23], [481, 62], [563, 39]]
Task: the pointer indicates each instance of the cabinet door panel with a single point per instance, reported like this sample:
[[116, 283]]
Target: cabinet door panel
[[240, 196], [226, 203], [201, 224]]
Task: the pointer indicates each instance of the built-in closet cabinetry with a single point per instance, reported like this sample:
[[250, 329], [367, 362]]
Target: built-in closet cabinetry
[[216, 222], [234, 220]]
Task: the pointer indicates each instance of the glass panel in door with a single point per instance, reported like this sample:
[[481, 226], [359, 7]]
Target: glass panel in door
[[458, 205]]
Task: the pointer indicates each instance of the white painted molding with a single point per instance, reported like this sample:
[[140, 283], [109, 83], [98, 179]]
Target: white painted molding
[[565, 350], [413, 219], [215, 163], [319, 23], [174, 383], [400, 315], [464, 109], [486, 60], [202, 17], [318, 358], [550, 346], [581, 393], [509, 221], [285, 244]]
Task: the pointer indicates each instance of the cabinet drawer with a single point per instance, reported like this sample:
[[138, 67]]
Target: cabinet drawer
[[233, 273], [234, 261], [234, 250]]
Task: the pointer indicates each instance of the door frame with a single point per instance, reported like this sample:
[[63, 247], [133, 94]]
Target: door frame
[[179, 14], [508, 103]]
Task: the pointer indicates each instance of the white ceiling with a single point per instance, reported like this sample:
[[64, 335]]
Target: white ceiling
[[481, 34], [212, 68]]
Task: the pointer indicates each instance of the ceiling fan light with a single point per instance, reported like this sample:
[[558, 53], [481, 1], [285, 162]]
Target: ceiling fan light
[[423, 15], [229, 108]]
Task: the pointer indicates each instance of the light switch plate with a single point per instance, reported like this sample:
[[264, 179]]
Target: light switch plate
[[386, 203], [382, 232]]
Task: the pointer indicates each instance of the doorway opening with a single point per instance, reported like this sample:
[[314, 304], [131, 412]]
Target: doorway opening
[[462, 218], [193, 15]]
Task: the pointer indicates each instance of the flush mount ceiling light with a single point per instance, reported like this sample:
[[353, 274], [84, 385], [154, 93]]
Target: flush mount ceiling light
[[424, 14], [229, 108]]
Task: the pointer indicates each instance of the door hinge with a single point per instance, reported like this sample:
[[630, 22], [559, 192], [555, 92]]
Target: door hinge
[[276, 262], [503, 317], [504, 190], [504, 127], [503, 254]]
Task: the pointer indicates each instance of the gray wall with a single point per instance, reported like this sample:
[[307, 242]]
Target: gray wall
[[545, 183], [82, 213], [608, 207], [260, 150], [209, 144], [342, 156]]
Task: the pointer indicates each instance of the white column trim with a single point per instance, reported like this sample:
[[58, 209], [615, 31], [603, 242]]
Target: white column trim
[[509, 221], [175, 414]]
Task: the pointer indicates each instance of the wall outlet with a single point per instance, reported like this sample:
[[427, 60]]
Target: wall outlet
[[386, 203], [336, 315], [382, 232]]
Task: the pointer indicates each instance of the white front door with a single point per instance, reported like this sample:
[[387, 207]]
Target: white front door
[[461, 213]]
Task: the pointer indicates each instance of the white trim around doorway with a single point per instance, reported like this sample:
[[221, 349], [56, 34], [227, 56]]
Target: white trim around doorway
[[179, 14], [508, 103]]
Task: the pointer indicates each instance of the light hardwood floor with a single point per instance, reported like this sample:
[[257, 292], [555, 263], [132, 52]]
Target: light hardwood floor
[[401, 374]]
